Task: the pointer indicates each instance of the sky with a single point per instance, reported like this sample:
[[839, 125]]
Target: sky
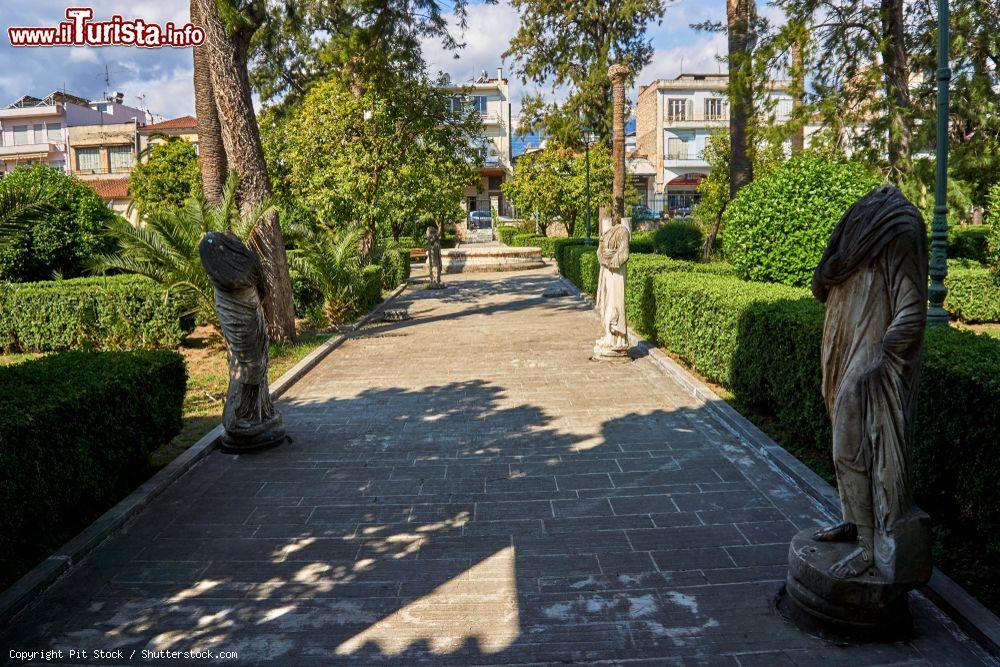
[[160, 79]]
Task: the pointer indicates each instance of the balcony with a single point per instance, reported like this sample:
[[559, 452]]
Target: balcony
[[29, 151], [695, 120]]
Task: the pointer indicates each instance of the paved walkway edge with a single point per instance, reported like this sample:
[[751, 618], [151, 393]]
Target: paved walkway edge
[[970, 614], [25, 589]]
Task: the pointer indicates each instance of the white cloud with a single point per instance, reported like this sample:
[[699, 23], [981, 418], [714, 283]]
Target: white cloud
[[171, 94], [489, 31]]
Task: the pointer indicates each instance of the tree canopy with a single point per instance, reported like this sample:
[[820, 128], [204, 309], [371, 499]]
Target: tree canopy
[[166, 178]]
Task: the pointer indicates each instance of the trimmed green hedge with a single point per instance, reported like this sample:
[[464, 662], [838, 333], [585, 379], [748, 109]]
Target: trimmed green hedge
[[507, 233], [680, 240], [113, 313], [973, 295], [395, 268], [968, 243], [370, 292], [76, 432]]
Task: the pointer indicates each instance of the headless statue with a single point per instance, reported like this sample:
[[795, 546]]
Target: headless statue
[[612, 255], [249, 418], [873, 279]]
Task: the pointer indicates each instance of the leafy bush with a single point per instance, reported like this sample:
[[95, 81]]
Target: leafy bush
[[993, 236], [779, 225], [167, 178], [395, 268], [115, 313], [75, 436], [968, 243], [65, 240], [369, 290], [973, 295], [560, 246], [641, 242], [506, 234], [642, 269], [680, 240]]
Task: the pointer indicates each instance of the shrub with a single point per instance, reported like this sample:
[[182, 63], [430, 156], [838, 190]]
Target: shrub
[[642, 269], [993, 235], [968, 243], [63, 241], [395, 268], [507, 233], [166, 178], [779, 225], [973, 295], [642, 243], [114, 313], [370, 289], [680, 240], [560, 246], [75, 435]]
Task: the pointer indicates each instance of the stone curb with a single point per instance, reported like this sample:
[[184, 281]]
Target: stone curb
[[970, 614], [25, 589]]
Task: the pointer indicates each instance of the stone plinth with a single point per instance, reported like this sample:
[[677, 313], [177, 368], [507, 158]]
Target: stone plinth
[[491, 259], [870, 602]]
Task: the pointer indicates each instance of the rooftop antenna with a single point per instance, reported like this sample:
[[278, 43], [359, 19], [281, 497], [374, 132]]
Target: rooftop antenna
[[682, 65], [107, 81]]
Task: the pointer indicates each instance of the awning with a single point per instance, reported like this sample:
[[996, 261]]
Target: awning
[[21, 157]]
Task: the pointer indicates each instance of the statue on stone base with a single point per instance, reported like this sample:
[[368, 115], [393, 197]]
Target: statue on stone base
[[249, 417], [873, 279], [434, 258], [612, 255]]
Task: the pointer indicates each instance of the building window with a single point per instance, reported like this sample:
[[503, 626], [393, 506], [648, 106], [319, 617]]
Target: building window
[[21, 135], [677, 109], [479, 102], [58, 164], [457, 104], [120, 158], [54, 132], [677, 149], [715, 109], [495, 182], [88, 159]]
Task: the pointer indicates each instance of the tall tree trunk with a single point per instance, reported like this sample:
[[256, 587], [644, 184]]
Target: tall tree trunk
[[211, 151], [617, 73], [798, 95], [228, 54], [713, 234], [897, 83], [740, 100]]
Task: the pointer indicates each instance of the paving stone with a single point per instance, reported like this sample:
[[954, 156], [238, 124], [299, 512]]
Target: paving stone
[[467, 488]]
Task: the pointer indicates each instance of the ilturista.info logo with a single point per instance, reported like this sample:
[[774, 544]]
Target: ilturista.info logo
[[79, 29]]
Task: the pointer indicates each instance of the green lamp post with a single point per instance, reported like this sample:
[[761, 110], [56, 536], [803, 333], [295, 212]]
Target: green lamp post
[[936, 314]]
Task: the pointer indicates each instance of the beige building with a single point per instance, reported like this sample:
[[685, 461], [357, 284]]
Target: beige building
[[103, 157], [491, 97], [185, 127], [674, 120]]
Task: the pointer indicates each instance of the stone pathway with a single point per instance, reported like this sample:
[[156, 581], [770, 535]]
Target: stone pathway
[[466, 487]]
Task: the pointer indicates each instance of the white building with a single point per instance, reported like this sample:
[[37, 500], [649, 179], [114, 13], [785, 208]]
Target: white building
[[491, 97], [674, 120]]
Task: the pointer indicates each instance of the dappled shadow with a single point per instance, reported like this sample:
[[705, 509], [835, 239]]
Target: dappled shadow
[[457, 523]]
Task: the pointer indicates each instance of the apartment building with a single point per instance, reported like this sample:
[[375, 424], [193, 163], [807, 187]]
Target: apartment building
[[36, 130], [674, 120], [491, 97], [185, 127]]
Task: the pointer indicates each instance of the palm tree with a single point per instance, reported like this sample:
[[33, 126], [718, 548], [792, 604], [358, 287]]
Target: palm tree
[[164, 247], [211, 152], [19, 209], [331, 263], [738, 16]]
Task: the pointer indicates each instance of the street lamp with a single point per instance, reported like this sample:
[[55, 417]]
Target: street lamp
[[936, 314], [589, 137]]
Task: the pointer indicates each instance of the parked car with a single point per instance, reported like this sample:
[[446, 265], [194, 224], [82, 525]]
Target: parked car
[[640, 212], [480, 220]]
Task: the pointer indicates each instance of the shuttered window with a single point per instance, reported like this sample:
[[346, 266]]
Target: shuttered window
[[121, 158], [88, 159]]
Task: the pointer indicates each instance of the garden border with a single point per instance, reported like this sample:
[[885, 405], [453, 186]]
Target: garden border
[[965, 610], [23, 591]]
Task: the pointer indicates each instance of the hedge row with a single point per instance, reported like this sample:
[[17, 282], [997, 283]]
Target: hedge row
[[973, 295], [370, 292], [75, 435], [113, 313], [968, 243], [395, 268], [507, 233]]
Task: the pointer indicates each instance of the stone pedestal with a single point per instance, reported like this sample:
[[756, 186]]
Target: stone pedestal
[[873, 603]]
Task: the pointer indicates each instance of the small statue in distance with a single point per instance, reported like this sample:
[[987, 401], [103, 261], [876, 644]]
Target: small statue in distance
[[434, 258], [249, 417]]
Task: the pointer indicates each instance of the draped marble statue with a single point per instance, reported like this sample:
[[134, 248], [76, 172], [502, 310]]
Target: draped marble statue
[[873, 279], [249, 417], [434, 258], [612, 255]]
